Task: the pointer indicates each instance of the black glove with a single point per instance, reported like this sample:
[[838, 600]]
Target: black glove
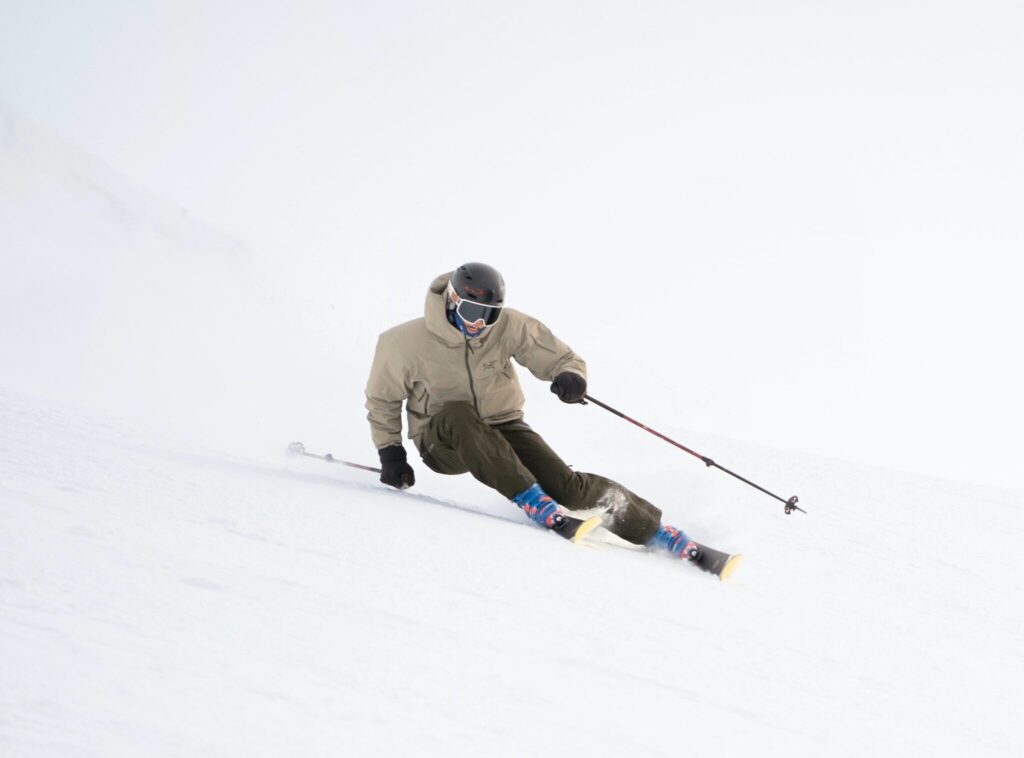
[[569, 387], [395, 471]]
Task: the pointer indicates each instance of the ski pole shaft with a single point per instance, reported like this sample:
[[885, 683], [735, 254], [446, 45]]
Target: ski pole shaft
[[297, 448], [791, 503]]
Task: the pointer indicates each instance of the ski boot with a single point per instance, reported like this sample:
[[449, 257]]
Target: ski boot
[[703, 557], [542, 509]]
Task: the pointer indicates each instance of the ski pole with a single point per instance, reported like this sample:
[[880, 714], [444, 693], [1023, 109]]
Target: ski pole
[[297, 448], [791, 504]]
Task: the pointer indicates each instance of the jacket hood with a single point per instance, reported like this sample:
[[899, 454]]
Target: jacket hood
[[433, 311]]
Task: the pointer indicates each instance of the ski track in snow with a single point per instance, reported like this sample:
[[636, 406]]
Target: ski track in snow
[[162, 599]]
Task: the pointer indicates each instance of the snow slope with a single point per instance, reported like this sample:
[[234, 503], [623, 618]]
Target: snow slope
[[163, 599], [116, 299], [110, 294], [167, 591]]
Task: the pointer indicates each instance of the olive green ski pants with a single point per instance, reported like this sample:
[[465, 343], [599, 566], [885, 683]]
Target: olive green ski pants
[[511, 457]]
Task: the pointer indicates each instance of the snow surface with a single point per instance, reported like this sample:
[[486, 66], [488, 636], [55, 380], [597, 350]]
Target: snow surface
[[172, 584], [159, 598]]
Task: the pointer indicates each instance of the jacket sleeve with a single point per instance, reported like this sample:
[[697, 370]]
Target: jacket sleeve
[[385, 391], [543, 353]]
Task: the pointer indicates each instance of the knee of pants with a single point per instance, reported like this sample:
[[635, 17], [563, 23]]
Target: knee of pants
[[629, 515], [458, 413]]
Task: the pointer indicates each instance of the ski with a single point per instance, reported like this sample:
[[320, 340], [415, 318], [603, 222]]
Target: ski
[[574, 529], [571, 528], [716, 562]]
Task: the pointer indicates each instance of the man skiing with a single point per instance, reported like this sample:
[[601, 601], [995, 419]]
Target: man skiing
[[453, 370]]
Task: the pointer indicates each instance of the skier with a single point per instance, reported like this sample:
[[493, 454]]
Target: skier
[[453, 370]]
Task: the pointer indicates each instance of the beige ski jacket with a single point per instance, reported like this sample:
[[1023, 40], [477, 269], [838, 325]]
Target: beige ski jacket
[[427, 362]]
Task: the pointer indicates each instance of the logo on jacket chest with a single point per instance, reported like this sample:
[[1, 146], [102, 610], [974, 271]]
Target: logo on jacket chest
[[490, 365]]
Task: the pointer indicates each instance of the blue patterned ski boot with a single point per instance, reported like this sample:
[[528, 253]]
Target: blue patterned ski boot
[[703, 557], [676, 542], [538, 505]]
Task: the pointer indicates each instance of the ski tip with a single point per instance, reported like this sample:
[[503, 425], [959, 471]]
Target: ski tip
[[586, 528], [730, 566]]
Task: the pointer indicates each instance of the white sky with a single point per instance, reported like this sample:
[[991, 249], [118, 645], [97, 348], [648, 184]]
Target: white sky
[[797, 224]]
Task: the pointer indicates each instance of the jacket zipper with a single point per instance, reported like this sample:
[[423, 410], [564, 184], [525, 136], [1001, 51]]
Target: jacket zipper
[[469, 373]]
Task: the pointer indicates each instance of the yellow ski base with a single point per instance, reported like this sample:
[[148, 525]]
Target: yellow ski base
[[586, 528], [730, 565]]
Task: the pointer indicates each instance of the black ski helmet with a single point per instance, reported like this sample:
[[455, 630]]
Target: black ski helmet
[[479, 285]]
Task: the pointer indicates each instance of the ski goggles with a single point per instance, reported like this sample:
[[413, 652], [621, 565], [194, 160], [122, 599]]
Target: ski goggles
[[472, 312]]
